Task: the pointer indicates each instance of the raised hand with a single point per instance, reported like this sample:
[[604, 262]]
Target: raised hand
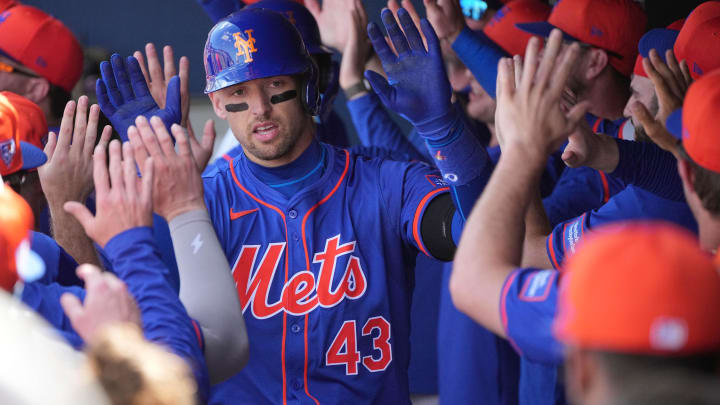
[[671, 81], [356, 49], [122, 200], [107, 302], [178, 186], [330, 20], [124, 95], [67, 175], [157, 77], [446, 17], [530, 115], [417, 86]]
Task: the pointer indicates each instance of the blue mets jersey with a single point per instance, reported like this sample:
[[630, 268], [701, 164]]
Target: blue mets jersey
[[324, 277]]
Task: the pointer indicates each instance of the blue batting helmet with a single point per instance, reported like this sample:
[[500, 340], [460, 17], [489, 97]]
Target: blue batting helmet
[[301, 18], [254, 44]]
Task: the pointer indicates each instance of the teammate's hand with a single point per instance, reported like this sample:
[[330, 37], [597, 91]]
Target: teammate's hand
[[417, 86], [330, 19], [157, 77], [67, 175], [124, 95], [122, 200], [178, 186], [356, 49], [107, 302], [671, 81], [530, 116], [446, 17]]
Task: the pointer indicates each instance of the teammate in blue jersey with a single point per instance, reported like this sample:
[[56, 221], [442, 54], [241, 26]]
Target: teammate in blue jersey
[[321, 261]]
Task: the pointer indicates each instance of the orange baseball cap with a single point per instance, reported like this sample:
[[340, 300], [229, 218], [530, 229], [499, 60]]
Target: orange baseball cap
[[502, 30], [17, 261], [42, 43], [641, 288], [6, 4], [612, 25], [696, 122], [22, 126], [699, 40]]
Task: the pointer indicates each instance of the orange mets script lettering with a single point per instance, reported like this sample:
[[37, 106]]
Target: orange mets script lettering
[[245, 47], [303, 292]]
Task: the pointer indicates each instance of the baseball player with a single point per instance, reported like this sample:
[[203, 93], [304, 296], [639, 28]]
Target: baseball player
[[319, 238], [330, 127]]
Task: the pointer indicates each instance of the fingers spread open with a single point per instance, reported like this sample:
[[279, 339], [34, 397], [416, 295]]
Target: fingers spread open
[[137, 79], [121, 77], [91, 131], [153, 63], [149, 139], [394, 32], [169, 62], [139, 150], [103, 99], [381, 47], [129, 169], [100, 174], [80, 124], [163, 136], [411, 32], [108, 77], [66, 128], [116, 173]]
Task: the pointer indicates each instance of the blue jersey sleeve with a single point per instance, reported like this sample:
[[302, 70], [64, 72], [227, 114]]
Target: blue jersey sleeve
[[375, 127], [527, 309], [632, 203], [59, 265], [45, 300], [407, 189], [481, 56], [645, 165], [136, 261], [577, 191]]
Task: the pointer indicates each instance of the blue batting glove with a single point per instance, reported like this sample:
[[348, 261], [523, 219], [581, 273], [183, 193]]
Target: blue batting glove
[[418, 87], [123, 95]]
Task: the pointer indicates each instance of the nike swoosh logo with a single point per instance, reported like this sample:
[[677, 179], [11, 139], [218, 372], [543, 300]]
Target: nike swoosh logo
[[236, 215]]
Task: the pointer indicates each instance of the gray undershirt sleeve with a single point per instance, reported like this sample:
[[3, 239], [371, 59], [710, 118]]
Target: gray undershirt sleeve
[[208, 292]]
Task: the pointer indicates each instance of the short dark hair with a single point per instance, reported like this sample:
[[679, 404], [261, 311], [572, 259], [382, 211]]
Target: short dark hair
[[706, 185], [58, 99]]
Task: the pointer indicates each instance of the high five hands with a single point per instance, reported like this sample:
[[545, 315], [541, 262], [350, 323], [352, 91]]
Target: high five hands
[[530, 114]]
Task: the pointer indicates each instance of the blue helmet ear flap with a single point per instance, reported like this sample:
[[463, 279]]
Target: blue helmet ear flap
[[310, 89]]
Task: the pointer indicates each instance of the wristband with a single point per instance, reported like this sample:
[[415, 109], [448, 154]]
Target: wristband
[[355, 89]]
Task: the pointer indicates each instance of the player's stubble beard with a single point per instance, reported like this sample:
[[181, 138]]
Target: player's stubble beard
[[640, 134], [289, 136]]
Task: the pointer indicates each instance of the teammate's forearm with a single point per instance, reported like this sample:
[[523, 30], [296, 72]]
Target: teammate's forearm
[[69, 234], [137, 262], [491, 246], [206, 284], [537, 227], [645, 165]]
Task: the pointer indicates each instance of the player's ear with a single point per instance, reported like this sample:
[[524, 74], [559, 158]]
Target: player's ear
[[595, 62], [219, 109]]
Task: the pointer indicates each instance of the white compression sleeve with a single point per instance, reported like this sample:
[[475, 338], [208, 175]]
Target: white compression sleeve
[[208, 292]]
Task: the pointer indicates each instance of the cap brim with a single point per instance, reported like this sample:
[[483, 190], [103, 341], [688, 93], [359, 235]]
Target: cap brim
[[32, 156], [674, 123], [660, 39], [542, 29]]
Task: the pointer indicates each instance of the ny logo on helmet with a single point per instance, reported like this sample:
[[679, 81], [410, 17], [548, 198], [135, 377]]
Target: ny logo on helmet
[[245, 47]]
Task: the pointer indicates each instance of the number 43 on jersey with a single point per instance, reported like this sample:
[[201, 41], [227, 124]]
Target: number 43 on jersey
[[343, 350]]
